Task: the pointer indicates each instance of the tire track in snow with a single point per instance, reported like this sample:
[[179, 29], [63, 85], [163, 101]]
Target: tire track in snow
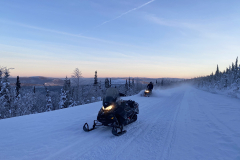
[[131, 135], [143, 130], [170, 135], [87, 144]]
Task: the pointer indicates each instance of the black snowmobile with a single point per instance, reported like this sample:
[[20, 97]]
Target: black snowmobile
[[149, 89], [115, 113]]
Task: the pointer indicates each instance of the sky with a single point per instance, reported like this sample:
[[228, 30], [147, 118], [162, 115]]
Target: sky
[[136, 38]]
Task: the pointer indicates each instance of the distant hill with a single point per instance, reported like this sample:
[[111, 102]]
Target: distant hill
[[38, 81], [49, 81]]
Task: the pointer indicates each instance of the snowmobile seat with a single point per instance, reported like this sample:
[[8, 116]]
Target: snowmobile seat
[[131, 103]]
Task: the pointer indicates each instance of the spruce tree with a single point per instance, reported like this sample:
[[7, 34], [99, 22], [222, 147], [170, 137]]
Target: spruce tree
[[67, 89], [129, 82], [5, 99], [217, 71], [126, 86], [95, 79], [63, 99], [18, 86], [66, 85], [236, 63], [49, 105], [107, 85], [233, 67]]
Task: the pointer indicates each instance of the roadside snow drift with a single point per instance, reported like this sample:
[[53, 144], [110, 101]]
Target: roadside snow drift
[[181, 123]]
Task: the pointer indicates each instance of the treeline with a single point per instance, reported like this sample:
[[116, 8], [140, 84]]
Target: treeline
[[167, 83], [16, 101], [228, 80]]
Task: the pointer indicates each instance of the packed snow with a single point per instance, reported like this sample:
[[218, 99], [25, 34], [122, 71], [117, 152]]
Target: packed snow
[[181, 123]]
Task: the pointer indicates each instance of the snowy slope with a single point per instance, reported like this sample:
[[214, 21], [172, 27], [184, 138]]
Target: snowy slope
[[182, 123]]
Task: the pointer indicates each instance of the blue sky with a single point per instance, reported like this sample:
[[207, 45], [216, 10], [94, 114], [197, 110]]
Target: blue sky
[[144, 38]]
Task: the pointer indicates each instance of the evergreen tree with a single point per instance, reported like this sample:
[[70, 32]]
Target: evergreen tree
[[129, 82], [67, 89], [107, 85], [18, 86], [217, 71], [63, 99], [225, 81], [49, 105], [95, 78], [236, 71], [236, 63], [110, 82], [5, 99], [72, 103], [233, 67], [67, 84], [34, 91], [126, 87], [34, 98]]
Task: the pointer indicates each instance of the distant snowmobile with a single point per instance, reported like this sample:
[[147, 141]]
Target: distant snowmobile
[[149, 89], [115, 113]]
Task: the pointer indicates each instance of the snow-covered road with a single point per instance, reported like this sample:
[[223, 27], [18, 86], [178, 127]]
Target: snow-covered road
[[181, 123]]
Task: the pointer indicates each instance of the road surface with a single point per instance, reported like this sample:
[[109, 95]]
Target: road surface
[[178, 123]]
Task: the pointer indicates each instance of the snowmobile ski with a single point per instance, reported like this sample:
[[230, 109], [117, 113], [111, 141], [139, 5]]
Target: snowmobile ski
[[86, 126], [116, 133]]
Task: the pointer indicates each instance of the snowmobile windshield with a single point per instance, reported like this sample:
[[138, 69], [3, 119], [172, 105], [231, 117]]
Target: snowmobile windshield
[[113, 92], [111, 95], [109, 99]]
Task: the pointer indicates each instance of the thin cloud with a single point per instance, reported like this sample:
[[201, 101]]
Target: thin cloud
[[63, 33], [50, 30], [175, 23], [134, 9], [206, 29]]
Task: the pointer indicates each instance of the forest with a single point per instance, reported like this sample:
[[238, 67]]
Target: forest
[[223, 82]]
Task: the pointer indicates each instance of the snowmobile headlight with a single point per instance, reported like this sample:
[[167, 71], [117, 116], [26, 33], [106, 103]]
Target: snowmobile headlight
[[107, 108], [147, 91]]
